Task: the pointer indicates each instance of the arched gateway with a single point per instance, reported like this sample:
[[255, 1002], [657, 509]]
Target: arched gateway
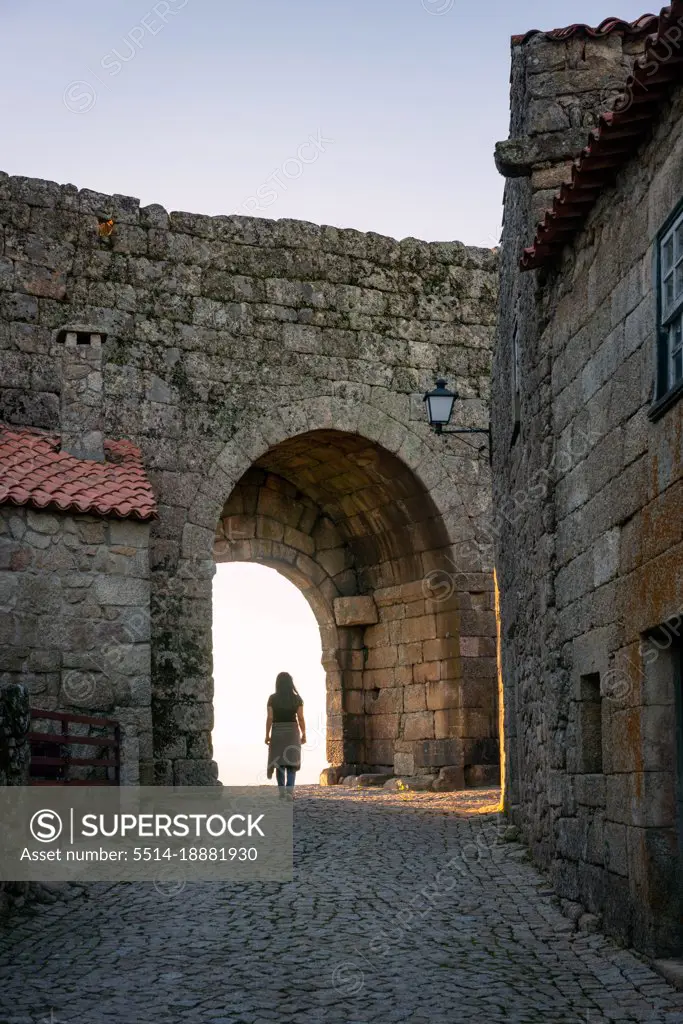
[[271, 374], [378, 539]]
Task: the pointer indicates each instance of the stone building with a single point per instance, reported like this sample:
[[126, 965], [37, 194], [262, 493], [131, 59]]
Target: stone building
[[587, 426], [271, 375], [75, 513]]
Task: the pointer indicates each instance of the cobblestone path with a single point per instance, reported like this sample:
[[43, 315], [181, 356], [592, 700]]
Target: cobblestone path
[[403, 908]]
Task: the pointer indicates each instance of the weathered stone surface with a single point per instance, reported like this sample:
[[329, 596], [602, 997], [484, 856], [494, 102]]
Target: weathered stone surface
[[415, 784], [396, 882], [355, 611], [73, 642], [81, 405], [482, 775], [450, 777], [671, 971], [269, 372], [15, 754], [437, 753], [589, 550], [14, 726], [404, 763], [332, 776], [517, 157], [371, 781], [589, 923]]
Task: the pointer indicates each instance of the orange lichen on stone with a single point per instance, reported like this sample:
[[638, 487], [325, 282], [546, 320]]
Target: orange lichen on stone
[[653, 595]]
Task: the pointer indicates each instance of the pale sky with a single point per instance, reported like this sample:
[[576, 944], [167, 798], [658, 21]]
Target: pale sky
[[262, 625], [197, 105], [380, 115]]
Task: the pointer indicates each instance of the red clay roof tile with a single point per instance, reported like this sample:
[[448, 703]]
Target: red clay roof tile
[[646, 23], [616, 139], [35, 472]]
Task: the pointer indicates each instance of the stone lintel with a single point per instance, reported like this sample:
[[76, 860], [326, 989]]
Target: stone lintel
[[355, 611]]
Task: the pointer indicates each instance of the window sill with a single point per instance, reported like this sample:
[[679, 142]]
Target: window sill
[[663, 404]]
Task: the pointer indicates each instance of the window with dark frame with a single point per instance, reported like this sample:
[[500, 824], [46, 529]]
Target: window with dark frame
[[670, 306]]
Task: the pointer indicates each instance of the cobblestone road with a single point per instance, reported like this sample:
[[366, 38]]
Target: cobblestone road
[[403, 908]]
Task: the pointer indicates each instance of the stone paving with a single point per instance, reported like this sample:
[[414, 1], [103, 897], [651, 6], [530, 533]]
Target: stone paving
[[404, 907]]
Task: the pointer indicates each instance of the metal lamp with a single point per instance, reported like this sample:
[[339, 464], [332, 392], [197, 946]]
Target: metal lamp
[[440, 403]]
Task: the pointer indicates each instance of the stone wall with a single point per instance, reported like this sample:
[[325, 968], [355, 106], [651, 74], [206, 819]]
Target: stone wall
[[444, 713], [558, 90], [232, 343], [75, 625], [14, 726], [587, 492], [14, 760]]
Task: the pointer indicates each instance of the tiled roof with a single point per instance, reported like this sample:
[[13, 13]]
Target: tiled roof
[[34, 472], [646, 23], [615, 140]]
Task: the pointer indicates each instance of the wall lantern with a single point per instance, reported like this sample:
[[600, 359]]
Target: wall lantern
[[440, 404]]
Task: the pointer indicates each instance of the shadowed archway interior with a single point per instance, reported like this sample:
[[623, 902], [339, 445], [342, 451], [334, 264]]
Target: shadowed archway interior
[[381, 510]]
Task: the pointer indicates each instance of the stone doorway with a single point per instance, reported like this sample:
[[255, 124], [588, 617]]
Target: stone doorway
[[386, 554]]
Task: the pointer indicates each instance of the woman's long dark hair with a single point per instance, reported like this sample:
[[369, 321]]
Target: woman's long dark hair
[[285, 690]]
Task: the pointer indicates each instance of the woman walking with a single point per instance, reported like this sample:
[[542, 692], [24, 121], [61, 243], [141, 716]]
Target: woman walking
[[285, 732]]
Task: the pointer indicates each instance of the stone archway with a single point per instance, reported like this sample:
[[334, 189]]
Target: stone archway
[[411, 672], [268, 520]]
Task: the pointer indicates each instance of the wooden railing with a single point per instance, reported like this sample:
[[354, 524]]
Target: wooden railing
[[53, 760]]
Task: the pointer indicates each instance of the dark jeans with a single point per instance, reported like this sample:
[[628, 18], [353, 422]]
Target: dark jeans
[[280, 775]]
